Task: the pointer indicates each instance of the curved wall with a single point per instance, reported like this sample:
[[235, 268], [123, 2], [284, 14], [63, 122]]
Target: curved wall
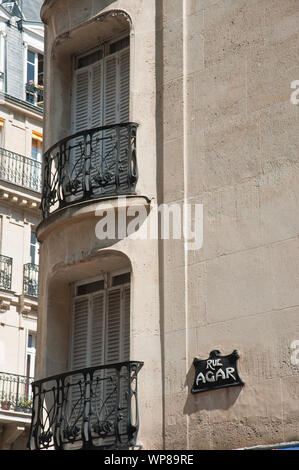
[[70, 250]]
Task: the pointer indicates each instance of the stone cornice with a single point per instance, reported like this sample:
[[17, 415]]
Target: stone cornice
[[19, 197]]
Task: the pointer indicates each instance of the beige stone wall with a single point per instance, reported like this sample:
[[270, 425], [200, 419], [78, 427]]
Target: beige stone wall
[[17, 221], [19, 214], [234, 138], [13, 340], [210, 88], [16, 133]]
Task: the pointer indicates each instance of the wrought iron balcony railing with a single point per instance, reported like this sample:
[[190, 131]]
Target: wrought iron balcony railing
[[95, 163], [5, 272], [93, 408], [15, 392], [20, 170], [30, 279]]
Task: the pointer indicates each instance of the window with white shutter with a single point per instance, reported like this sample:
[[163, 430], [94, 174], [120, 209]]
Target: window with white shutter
[[101, 97], [97, 339], [81, 100], [124, 85], [101, 88], [100, 336], [80, 333], [101, 323]]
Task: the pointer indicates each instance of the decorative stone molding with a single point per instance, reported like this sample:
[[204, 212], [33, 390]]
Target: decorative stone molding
[[114, 13], [18, 199], [6, 300], [27, 304]]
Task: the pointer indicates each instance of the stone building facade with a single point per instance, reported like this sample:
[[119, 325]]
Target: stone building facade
[[21, 127], [197, 94]]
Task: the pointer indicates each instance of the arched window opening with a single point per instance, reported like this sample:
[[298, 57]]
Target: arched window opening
[[101, 86], [101, 336], [101, 321], [98, 158]]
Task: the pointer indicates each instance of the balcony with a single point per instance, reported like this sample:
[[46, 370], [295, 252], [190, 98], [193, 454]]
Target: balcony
[[93, 408], [92, 164], [34, 94], [5, 272], [30, 280], [20, 170], [15, 393]]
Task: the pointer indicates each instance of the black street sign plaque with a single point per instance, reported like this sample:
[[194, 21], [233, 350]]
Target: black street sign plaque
[[216, 372]]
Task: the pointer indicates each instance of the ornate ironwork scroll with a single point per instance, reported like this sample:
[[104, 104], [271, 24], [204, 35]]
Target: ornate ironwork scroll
[[30, 279], [20, 170], [94, 163], [15, 392], [86, 409], [5, 272]]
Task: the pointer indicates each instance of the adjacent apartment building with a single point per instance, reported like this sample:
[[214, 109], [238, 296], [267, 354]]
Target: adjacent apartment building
[[179, 340], [21, 116]]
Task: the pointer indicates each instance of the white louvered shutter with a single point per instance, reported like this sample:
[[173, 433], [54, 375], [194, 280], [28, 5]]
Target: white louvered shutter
[[125, 334], [97, 345], [117, 343], [80, 121], [80, 333], [113, 326], [101, 335], [96, 117], [97, 330], [80, 100], [110, 90], [79, 358], [123, 105], [110, 118], [96, 94], [124, 85], [112, 337], [125, 351]]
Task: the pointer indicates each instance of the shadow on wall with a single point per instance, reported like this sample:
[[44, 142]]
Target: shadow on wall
[[221, 399]]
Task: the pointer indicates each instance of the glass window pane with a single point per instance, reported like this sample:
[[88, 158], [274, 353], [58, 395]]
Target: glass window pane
[[90, 59], [31, 57], [33, 238], [30, 98], [90, 288], [33, 249], [32, 254], [34, 152], [119, 45], [30, 72], [40, 71]]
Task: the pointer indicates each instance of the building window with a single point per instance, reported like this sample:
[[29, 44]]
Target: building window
[[31, 66], [30, 356], [35, 67], [101, 87], [40, 69], [34, 249], [36, 155], [2, 122], [30, 270], [101, 97], [37, 148], [35, 77], [101, 321], [2, 62]]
